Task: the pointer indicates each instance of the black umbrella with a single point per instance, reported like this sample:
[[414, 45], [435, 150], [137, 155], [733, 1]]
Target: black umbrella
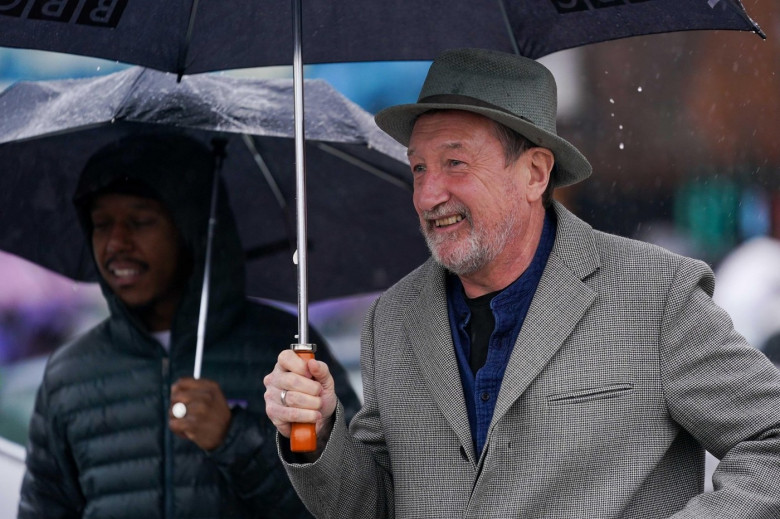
[[191, 36], [187, 37], [363, 232]]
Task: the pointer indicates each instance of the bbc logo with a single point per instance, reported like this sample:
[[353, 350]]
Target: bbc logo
[[570, 6], [96, 13]]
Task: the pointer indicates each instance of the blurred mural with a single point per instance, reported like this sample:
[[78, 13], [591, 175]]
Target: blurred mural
[[680, 128]]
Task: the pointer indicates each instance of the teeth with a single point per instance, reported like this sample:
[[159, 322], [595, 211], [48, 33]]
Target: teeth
[[448, 221], [121, 273]]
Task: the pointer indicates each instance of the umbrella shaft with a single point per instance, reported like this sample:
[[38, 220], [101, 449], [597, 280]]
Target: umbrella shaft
[[300, 178]]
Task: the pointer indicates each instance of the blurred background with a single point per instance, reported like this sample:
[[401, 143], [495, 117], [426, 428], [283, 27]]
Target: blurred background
[[681, 131]]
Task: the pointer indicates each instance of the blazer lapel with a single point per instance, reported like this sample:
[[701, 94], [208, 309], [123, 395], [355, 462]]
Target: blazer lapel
[[428, 329], [560, 301]]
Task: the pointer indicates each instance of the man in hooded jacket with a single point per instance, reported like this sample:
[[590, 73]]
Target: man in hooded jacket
[[120, 429]]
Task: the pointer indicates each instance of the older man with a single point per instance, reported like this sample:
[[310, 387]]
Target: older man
[[534, 367]]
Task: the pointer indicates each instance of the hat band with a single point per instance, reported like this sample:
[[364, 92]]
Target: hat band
[[458, 99]]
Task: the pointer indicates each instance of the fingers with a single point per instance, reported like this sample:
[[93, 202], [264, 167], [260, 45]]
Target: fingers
[[302, 382], [203, 415], [288, 360], [293, 374], [206, 388]]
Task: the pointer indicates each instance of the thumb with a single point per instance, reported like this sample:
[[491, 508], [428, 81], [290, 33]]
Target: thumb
[[319, 370]]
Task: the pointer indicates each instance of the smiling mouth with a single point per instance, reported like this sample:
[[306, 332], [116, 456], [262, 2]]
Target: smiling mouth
[[450, 220], [125, 272]]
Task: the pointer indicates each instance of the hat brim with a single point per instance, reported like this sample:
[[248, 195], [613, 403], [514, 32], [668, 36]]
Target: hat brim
[[572, 166]]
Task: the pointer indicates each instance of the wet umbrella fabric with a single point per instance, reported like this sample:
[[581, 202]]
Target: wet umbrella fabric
[[188, 36], [362, 229]]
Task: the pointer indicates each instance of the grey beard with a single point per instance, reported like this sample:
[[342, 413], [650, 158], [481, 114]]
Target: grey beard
[[481, 248]]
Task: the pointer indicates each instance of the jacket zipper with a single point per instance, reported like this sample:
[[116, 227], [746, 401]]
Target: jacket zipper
[[167, 439]]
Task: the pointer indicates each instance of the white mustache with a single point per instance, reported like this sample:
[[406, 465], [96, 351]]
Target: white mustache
[[446, 210]]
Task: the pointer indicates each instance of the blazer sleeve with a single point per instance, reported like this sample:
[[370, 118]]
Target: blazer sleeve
[[352, 477], [726, 394], [50, 488]]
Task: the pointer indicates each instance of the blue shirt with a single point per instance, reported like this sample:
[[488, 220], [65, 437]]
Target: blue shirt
[[509, 307]]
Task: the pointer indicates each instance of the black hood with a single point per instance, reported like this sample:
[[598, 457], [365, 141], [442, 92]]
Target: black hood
[[178, 171]]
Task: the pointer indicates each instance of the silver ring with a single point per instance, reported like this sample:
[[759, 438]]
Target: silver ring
[[179, 410], [284, 397]]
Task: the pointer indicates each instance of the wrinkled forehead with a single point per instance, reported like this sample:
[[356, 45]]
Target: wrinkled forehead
[[450, 129]]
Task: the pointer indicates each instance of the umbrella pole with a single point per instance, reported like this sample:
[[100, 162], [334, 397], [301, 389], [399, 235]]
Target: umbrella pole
[[302, 436], [219, 153], [300, 179]]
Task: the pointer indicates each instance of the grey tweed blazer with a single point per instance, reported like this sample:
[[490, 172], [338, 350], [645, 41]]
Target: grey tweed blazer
[[623, 372]]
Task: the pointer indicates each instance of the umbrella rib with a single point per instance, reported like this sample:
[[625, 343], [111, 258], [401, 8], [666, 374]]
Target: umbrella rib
[[187, 39], [346, 157], [737, 7], [130, 91], [265, 170], [508, 25]]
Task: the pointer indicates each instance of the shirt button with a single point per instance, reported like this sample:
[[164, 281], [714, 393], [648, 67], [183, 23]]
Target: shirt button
[[485, 396]]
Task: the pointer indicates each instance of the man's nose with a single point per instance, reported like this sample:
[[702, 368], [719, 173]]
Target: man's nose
[[430, 190], [118, 239]]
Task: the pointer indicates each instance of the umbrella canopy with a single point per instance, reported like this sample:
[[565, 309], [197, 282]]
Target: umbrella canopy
[[362, 228], [187, 37]]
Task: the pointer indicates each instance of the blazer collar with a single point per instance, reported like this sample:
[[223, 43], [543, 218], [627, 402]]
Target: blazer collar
[[560, 301]]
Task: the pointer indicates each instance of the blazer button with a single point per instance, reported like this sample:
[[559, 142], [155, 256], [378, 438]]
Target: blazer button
[[485, 396]]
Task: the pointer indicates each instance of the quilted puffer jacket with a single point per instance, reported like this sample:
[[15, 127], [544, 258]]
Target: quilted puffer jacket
[[99, 445]]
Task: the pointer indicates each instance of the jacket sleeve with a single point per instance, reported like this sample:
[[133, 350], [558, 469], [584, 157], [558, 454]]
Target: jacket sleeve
[[727, 395], [352, 476], [249, 462], [50, 487]]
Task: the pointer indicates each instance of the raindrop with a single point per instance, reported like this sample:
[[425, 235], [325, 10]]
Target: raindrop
[[611, 101], [98, 68], [113, 120], [612, 114], [621, 146], [639, 89], [620, 127]]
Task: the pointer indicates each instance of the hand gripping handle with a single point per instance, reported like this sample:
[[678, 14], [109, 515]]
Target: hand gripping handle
[[303, 436]]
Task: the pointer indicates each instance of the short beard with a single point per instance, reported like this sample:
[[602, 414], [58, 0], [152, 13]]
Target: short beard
[[479, 248]]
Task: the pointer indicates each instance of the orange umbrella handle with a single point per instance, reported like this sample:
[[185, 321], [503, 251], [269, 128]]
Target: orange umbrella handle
[[303, 436]]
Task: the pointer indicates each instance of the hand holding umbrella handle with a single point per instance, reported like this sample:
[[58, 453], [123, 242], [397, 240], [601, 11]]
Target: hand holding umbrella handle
[[303, 436]]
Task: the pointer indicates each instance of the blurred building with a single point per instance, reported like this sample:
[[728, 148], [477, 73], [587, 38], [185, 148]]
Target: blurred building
[[681, 128]]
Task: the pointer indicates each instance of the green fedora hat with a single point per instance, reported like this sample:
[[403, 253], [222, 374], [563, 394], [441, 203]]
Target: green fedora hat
[[515, 91]]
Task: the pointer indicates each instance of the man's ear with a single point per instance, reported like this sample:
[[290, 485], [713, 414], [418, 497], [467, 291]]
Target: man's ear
[[540, 165]]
